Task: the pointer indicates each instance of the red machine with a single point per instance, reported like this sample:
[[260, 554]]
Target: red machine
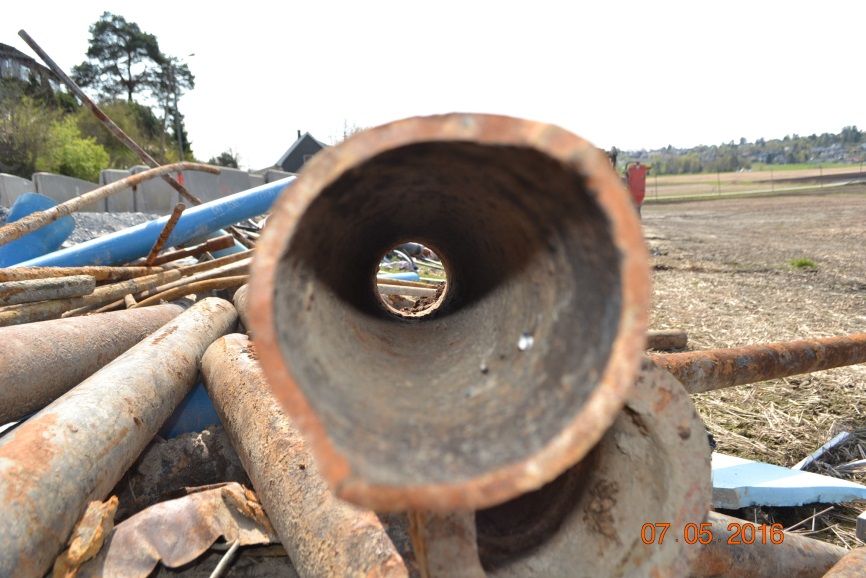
[[635, 174]]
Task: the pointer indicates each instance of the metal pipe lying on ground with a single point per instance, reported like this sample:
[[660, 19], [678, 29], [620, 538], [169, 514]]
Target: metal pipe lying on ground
[[77, 449], [98, 273], [240, 301], [853, 565], [604, 516], [163, 236], [771, 555], [531, 368], [667, 339], [701, 371], [17, 292], [387, 289], [323, 535], [34, 221], [192, 288], [41, 361]]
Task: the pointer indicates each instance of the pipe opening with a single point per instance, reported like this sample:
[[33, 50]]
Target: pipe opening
[[523, 334], [411, 281]]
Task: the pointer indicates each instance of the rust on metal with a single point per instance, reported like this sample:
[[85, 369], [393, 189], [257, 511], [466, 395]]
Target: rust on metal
[[17, 229], [530, 356], [652, 465], [42, 361], [667, 339], [853, 565], [192, 288], [216, 244], [794, 556], [76, 450], [323, 535], [446, 545], [164, 234], [701, 371], [17, 292], [30, 312], [240, 301], [99, 273], [209, 270], [87, 538]]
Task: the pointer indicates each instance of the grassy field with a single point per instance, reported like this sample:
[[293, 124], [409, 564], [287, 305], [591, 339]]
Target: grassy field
[[668, 187]]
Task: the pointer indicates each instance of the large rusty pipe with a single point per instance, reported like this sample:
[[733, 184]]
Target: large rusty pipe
[[41, 361], [98, 273], [853, 565], [533, 349], [241, 302], [17, 292], [701, 371], [770, 555], [652, 467], [323, 535], [77, 449]]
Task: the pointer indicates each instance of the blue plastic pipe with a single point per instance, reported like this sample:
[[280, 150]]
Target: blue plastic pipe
[[135, 242], [401, 276], [40, 241]]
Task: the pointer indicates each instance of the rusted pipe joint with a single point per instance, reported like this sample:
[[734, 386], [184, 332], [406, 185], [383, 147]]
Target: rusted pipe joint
[[533, 349]]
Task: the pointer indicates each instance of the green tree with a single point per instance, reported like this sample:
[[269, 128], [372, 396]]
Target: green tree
[[173, 80], [128, 116], [70, 154], [228, 159], [25, 127], [122, 59]]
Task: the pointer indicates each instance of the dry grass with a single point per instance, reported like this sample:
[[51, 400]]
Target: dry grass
[[730, 288]]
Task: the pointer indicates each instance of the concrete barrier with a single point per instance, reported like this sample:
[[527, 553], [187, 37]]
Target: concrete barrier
[[209, 187], [257, 180], [275, 175], [122, 202], [12, 187], [154, 196], [62, 188]]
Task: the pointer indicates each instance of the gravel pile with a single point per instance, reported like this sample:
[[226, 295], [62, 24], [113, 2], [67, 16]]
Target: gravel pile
[[91, 225]]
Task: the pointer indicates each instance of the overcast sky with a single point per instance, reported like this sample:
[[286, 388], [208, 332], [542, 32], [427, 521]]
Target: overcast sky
[[630, 74]]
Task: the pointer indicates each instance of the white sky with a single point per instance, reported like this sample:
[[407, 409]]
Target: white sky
[[630, 74]]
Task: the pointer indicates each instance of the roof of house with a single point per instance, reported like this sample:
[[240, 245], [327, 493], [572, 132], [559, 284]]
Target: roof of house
[[295, 144]]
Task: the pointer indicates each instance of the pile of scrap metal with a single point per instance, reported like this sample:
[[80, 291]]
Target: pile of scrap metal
[[532, 437]]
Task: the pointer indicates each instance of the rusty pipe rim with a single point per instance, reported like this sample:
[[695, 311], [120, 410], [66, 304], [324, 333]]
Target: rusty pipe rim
[[601, 190]]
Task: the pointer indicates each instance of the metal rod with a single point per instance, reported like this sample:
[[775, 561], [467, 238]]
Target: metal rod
[[118, 132], [323, 535], [17, 229], [217, 244], [16, 292], [770, 555], [701, 371], [238, 268], [388, 289], [164, 235], [667, 339], [195, 287], [77, 449], [98, 273], [29, 312], [41, 361]]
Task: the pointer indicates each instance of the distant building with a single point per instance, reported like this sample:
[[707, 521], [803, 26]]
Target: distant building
[[16, 64], [300, 152]]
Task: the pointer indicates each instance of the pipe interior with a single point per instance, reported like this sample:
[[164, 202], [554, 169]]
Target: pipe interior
[[515, 348]]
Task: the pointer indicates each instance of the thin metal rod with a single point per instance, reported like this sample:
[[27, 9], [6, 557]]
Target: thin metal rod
[[33, 221], [165, 234], [196, 287], [217, 244], [78, 448], [16, 292], [97, 272], [223, 565], [118, 132], [701, 371]]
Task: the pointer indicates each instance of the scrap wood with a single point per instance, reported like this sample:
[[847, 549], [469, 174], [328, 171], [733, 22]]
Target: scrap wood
[[177, 532], [87, 538]]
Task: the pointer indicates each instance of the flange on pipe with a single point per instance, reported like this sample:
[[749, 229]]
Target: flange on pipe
[[530, 352]]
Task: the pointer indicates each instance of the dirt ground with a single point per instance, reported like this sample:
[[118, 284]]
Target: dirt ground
[[724, 271]]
